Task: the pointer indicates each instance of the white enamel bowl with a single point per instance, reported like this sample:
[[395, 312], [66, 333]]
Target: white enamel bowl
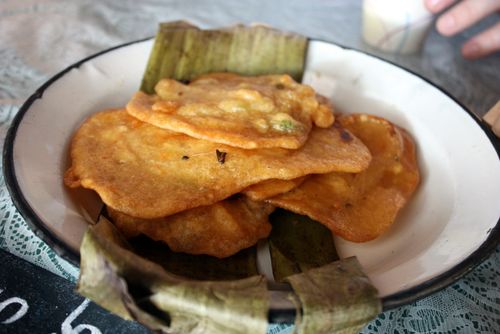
[[450, 226]]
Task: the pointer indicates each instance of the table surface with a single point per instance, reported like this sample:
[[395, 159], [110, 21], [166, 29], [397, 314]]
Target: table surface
[[38, 38]]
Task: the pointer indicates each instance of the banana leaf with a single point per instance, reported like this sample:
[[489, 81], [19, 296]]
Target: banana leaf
[[113, 276], [182, 52], [200, 267], [298, 243], [335, 298]]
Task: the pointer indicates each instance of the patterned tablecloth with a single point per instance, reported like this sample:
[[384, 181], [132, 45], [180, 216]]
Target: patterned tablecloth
[[38, 38]]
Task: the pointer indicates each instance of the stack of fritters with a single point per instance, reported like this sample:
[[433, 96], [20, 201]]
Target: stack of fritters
[[200, 166]]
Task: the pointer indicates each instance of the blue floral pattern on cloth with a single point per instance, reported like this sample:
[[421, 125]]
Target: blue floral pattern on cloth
[[471, 305]]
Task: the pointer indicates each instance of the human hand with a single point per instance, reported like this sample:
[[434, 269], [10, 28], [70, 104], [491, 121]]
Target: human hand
[[463, 15]]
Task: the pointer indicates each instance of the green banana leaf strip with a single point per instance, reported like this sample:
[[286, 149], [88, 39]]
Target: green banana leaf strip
[[336, 298], [201, 267], [116, 278], [182, 51], [298, 243]]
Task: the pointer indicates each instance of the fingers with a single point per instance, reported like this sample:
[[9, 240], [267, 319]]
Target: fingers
[[465, 14], [483, 44], [461, 16], [436, 6]]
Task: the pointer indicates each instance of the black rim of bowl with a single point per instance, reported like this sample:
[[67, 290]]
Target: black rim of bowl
[[395, 300]]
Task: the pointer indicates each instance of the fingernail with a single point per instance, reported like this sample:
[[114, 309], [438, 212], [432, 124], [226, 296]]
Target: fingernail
[[446, 24], [471, 49]]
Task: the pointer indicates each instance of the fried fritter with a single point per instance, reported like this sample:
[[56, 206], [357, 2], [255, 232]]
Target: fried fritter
[[148, 172], [270, 188], [221, 229], [360, 207], [249, 112]]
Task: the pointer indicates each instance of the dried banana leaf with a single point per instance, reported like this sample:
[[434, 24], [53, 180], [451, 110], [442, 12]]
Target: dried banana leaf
[[298, 243], [336, 298], [182, 52], [116, 278]]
